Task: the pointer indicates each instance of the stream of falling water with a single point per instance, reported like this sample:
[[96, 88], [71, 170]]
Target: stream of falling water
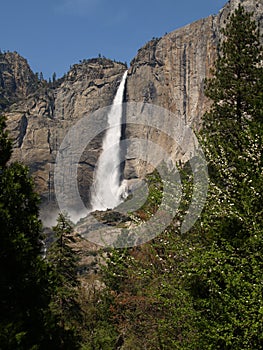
[[107, 192]]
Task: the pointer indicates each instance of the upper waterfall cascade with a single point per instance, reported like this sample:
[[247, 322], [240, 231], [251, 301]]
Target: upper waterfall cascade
[[108, 190]]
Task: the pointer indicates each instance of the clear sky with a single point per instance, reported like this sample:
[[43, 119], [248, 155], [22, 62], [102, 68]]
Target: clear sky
[[54, 34]]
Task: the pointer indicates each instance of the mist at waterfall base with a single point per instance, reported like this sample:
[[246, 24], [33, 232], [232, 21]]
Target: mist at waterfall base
[[108, 191]]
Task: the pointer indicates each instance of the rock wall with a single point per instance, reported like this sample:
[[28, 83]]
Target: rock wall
[[170, 72], [39, 123]]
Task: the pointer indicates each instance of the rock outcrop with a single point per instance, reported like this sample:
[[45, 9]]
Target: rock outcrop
[[17, 80], [169, 72]]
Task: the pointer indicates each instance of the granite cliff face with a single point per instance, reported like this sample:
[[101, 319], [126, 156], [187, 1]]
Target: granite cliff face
[[168, 72], [39, 122], [171, 72]]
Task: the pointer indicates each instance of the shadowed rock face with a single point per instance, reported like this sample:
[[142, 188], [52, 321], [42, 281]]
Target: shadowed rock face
[[168, 72]]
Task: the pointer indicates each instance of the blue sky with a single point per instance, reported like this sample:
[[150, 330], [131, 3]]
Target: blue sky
[[54, 34]]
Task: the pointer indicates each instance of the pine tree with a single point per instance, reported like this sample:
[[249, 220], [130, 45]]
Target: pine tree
[[225, 276], [54, 77], [24, 290], [26, 280], [63, 260], [236, 91], [236, 88], [232, 130]]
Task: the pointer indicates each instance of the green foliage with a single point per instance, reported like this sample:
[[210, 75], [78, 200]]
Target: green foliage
[[27, 282], [62, 256], [232, 135], [226, 286], [148, 302], [154, 198], [226, 276], [236, 88], [231, 128], [98, 329], [24, 293], [63, 260]]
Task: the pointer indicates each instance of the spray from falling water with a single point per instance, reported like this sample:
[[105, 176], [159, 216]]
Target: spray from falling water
[[108, 190]]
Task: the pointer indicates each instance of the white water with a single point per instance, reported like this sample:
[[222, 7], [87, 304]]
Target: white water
[[107, 186]]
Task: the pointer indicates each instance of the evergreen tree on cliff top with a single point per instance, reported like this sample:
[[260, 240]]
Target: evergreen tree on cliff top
[[226, 276]]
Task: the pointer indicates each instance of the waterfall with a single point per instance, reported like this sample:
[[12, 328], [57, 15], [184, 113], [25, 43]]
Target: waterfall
[[107, 192]]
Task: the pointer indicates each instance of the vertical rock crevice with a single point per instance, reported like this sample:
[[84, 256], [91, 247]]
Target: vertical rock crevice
[[22, 130]]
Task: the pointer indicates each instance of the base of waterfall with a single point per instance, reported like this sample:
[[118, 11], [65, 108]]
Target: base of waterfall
[[112, 200], [103, 227]]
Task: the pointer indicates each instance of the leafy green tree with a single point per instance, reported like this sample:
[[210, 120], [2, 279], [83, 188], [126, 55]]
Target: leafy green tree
[[150, 306], [232, 130], [236, 88], [225, 276], [64, 262], [24, 289], [148, 302], [27, 282]]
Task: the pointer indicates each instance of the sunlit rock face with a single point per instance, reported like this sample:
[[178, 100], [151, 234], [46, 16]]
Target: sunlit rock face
[[170, 72]]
